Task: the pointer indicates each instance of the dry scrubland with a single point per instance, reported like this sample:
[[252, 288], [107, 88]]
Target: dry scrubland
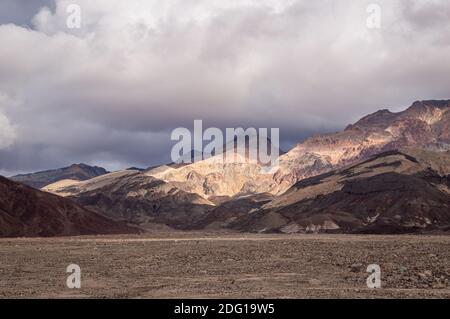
[[196, 265]]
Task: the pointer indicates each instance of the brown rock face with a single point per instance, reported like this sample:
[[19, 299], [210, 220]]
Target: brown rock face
[[26, 212]]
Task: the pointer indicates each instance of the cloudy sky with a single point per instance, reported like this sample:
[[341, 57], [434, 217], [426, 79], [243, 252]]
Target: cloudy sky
[[110, 92]]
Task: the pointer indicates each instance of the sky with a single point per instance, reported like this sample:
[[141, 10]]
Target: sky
[[110, 92]]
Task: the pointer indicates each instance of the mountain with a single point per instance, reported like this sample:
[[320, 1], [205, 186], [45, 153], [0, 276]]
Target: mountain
[[243, 194], [213, 178], [136, 197], [393, 192], [424, 125], [79, 172], [224, 175], [225, 213], [27, 212]]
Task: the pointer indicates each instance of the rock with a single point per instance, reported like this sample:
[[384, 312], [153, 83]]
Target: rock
[[422, 276], [402, 269], [439, 286], [356, 267], [314, 282]]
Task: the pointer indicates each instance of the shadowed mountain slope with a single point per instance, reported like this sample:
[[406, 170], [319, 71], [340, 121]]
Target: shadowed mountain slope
[[27, 212]]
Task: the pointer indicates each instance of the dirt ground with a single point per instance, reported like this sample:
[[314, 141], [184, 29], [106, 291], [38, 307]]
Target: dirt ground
[[201, 265]]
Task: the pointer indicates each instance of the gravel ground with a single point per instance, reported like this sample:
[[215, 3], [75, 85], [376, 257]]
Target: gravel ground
[[199, 265]]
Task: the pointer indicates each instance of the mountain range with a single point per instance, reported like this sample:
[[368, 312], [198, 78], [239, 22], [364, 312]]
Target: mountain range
[[386, 173], [79, 172]]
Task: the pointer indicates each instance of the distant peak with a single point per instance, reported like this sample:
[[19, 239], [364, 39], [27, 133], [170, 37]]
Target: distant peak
[[84, 166], [379, 118], [79, 165]]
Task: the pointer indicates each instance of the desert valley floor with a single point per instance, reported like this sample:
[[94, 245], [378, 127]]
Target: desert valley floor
[[197, 265]]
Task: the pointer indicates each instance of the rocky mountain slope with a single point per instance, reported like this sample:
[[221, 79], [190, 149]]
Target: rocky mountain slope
[[393, 192], [27, 212], [135, 197], [214, 178], [78, 172]]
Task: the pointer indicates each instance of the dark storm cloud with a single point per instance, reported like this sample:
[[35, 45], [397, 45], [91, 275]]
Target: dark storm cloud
[[111, 92]]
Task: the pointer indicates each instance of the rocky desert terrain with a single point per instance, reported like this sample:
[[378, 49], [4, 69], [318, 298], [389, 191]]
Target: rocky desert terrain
[[217, 265]]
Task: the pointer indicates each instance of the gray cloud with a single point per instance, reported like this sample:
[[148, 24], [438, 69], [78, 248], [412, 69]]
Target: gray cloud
[[21, 12], [112, 91], [7, 133]]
